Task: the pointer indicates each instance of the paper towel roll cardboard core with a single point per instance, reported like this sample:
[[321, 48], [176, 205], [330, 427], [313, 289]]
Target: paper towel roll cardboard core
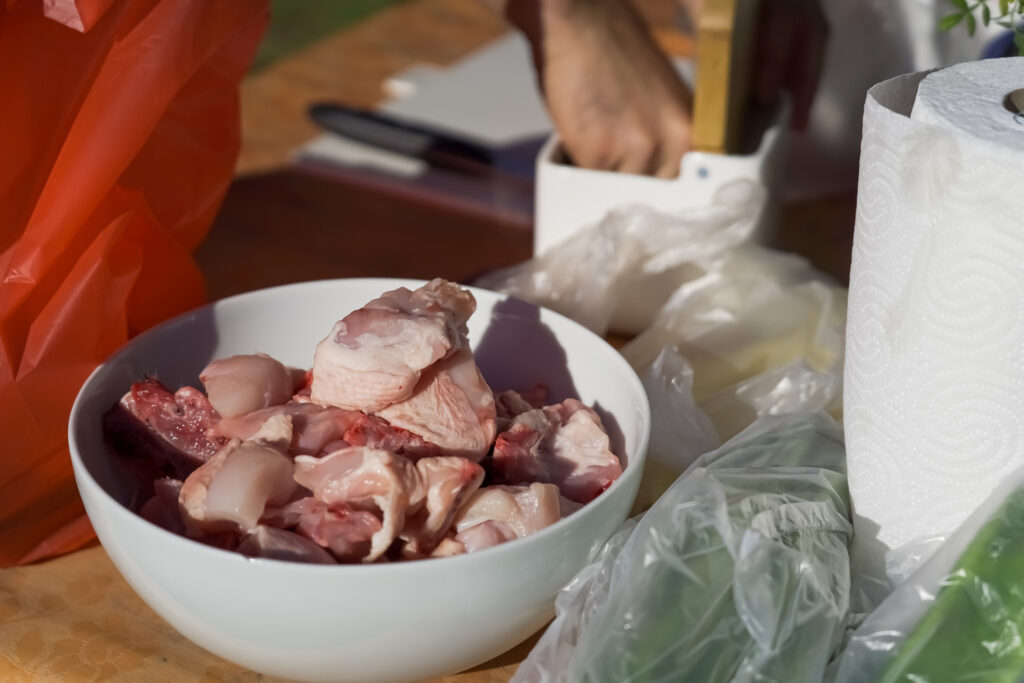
[[1014, 101]]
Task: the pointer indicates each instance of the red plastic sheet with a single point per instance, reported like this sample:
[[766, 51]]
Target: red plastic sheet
[[118, 136]]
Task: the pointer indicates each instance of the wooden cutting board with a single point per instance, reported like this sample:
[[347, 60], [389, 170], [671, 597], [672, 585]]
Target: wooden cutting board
[[75, 619]]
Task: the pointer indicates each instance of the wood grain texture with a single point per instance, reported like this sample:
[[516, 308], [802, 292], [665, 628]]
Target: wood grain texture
[[726, 39]]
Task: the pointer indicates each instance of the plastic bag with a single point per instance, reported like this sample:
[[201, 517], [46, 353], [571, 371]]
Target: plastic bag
[[119, 143], [960, 616], [618, 272], [739, 572], [680, 431], [764, 333]]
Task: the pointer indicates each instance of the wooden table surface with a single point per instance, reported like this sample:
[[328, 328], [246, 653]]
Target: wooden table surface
[[279, 225]]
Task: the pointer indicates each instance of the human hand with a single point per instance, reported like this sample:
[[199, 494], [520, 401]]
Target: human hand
[[613, 96]]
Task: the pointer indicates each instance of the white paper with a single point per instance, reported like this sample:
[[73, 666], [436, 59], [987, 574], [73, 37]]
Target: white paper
[[934, 402]]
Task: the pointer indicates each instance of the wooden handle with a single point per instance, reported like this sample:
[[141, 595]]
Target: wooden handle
[[726, 37]]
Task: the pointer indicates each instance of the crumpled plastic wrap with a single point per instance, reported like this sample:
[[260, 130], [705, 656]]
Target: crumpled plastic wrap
[[764, 333], [739, 572], [617, 273], [960, 616], [119, 131]]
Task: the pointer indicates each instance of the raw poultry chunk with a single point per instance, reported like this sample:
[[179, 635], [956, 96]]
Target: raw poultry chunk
[[564, 444], [315, 429], [241, 384], [171, 431], [232, 489], [279, 544], [496, 514], [346, 531], [444, 484], [376, 432], [452, 407], [373, 357], [510, 403], [162, 508], [363, 479]]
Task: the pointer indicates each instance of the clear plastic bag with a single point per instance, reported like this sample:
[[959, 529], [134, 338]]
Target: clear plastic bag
[[764, 332], [680, 431], [739, 572], [617, 273], [960, 616]]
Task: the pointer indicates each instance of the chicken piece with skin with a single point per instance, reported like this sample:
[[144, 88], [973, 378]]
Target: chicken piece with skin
[[364, 479], [315, 429], [445, 483], [373, 357], [452, 407], [245, 383], [564, 444], [496, 514], [232, 490]]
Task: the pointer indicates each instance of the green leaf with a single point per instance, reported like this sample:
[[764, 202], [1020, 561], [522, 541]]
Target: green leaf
[[971, 24], [1004, 7], [960, 5], [986, 15], [1018, 40], [1004, 23], [950, 20]]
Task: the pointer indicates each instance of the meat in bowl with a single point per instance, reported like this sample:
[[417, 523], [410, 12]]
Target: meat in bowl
[[387, 449]]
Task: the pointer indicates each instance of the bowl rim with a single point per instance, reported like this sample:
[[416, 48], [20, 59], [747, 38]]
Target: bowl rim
[[84, 477]]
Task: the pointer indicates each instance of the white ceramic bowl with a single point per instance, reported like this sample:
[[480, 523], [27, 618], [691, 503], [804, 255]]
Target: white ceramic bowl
[[393, 622]]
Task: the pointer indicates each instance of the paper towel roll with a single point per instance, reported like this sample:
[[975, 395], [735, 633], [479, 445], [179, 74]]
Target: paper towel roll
[[934, 386]]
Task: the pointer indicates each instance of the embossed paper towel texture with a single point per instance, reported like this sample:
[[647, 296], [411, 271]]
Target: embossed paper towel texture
[[934, 403]]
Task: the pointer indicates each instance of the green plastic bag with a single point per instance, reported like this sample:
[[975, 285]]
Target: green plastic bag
[[740, 572], [960, 616]]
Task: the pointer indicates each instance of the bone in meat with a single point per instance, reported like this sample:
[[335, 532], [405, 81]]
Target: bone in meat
[[564, 444]]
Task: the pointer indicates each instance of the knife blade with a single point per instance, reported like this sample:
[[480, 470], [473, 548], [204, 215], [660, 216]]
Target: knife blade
[[380, 130]]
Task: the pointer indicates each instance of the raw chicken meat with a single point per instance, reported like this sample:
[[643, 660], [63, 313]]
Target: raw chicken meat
[[279, 544], [376, 454], [452, 407], [346, 531], [445, 483], [152, 424], [511, 403], [376, 432], [495, 514], [564, 444], [244, 383], [364, 479], [232, 489], [162, 508], [374, 356], [315, 429]]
